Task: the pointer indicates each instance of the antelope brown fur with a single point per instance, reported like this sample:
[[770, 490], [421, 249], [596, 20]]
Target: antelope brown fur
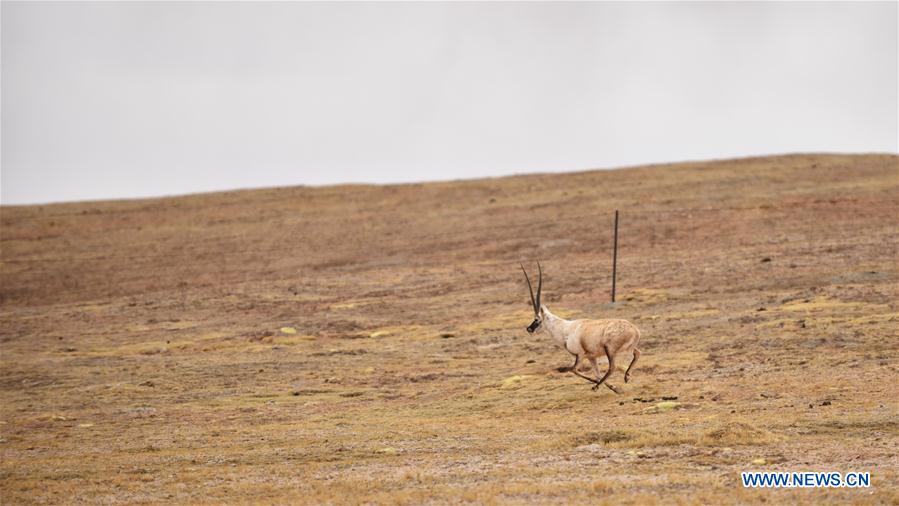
[[590, 339]]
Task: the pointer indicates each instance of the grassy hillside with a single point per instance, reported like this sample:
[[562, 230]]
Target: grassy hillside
[[367, 343]]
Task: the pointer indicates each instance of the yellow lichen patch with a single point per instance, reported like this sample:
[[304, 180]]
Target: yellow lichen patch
[[288, 330], [515, 381], [379, 333], [667, 405]]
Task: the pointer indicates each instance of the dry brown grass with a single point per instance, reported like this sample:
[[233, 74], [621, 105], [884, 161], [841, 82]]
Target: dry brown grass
[[366, 344]]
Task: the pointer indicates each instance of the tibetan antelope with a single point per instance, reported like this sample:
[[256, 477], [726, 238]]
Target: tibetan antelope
[[586, 338]]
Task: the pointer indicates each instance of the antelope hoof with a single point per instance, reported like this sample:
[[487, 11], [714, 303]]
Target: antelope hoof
[[595, 387], [614, 389], [627, 378], [565, 369]]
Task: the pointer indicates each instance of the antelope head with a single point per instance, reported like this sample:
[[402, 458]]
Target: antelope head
[[538, 309]]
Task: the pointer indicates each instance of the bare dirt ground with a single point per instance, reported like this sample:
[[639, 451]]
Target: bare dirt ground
[[366, 344]]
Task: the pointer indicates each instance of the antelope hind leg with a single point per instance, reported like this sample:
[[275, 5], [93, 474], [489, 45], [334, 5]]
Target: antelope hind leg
[[627, 374]]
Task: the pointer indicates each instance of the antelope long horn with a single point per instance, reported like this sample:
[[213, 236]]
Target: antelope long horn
[[539, 288], [530, 288]]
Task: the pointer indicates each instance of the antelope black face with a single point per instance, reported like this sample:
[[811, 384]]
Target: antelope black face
[[538, 319]]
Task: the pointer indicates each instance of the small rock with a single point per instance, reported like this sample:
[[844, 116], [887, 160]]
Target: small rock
[[766, 259], [759, 462], [531, 361], [148, 383], [825, 403], [669, 398], [447, 335]]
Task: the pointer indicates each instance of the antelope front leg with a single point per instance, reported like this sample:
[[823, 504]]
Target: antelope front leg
[[577, 360], [596, 383]]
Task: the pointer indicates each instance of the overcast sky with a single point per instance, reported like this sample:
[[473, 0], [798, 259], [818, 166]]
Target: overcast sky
[[122, 99]]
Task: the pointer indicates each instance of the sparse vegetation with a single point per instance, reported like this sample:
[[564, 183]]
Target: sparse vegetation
[[362, 344]]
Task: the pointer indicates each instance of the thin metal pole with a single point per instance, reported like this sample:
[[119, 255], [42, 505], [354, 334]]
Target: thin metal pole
[[615, 256]]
